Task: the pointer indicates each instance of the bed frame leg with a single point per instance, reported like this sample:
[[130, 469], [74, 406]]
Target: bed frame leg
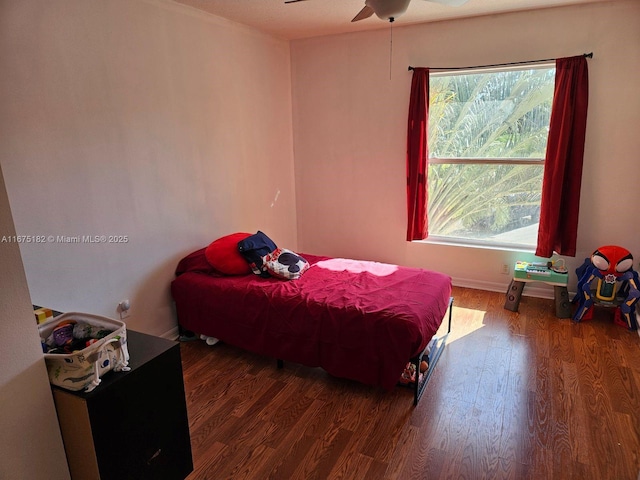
[[434, 356]]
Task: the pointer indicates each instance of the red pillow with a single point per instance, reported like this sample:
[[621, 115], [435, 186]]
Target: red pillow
[[223, 255]]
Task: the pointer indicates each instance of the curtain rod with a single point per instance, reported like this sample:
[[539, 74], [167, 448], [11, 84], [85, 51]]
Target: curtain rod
[[588, 55]]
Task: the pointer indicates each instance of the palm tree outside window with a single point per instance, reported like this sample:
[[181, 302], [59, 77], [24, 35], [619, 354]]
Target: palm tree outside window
[[487, 135]]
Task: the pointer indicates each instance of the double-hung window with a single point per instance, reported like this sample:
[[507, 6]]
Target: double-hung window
[[488, 132]]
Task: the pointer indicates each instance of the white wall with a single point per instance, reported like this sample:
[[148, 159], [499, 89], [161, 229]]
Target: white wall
[[350, 130], [140, 118], [28, 423]]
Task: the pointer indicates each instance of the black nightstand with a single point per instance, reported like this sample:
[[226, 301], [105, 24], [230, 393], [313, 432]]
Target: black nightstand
[[134, 425]]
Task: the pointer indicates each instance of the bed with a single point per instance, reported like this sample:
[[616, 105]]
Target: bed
[[357, 320]]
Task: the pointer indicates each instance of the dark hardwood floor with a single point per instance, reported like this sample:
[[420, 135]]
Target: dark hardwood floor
[[514, 396]]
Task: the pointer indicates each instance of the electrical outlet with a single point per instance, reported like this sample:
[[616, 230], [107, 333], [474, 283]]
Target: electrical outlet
[[505, 269], [124, 309]]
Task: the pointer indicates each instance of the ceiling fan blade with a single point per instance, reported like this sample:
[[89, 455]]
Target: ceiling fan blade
[[366, 12], [451, 3]]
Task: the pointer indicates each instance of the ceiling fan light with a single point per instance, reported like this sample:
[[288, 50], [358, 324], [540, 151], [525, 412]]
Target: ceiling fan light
[[387, 9]]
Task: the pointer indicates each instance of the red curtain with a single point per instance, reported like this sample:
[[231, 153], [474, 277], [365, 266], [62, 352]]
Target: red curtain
[[563, 163], [417, 154]]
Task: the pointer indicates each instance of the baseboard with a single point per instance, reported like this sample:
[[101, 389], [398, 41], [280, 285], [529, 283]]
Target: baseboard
[[532, 289], [171, 334]]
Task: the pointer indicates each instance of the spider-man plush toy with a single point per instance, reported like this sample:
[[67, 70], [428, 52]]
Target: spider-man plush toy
[[612, 266]]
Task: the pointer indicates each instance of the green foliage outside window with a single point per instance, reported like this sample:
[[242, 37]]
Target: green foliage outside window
[[487, 140]]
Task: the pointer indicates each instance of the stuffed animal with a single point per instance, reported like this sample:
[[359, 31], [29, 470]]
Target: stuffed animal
[[617, 284]]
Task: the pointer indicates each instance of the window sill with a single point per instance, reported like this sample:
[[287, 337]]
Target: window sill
[[461, 243]]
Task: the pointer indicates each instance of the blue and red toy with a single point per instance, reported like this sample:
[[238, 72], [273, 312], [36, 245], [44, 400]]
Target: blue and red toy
[[617, 285]]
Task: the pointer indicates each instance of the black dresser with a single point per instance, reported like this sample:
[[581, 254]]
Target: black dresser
[[134, 425]]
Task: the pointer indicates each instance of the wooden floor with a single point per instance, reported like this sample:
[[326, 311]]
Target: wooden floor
[[515, 396]]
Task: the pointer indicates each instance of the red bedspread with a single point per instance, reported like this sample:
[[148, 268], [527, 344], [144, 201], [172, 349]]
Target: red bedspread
[[357, 320]]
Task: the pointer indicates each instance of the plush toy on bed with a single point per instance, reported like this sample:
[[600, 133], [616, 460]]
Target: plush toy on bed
[[254, 248], [266, 259], [285, 264], [617, 285]]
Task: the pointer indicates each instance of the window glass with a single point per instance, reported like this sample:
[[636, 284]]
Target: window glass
[[487, 138]]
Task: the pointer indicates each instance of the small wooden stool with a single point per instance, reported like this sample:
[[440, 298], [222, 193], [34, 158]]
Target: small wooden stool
[[524, 274]]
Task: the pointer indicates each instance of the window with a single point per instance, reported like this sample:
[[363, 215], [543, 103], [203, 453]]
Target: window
[[487, 139]]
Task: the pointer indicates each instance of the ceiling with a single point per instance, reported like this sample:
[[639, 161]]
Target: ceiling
[[312, 18]]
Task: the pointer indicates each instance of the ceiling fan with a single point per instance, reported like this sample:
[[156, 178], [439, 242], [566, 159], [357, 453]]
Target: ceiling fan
[[388, 9]]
